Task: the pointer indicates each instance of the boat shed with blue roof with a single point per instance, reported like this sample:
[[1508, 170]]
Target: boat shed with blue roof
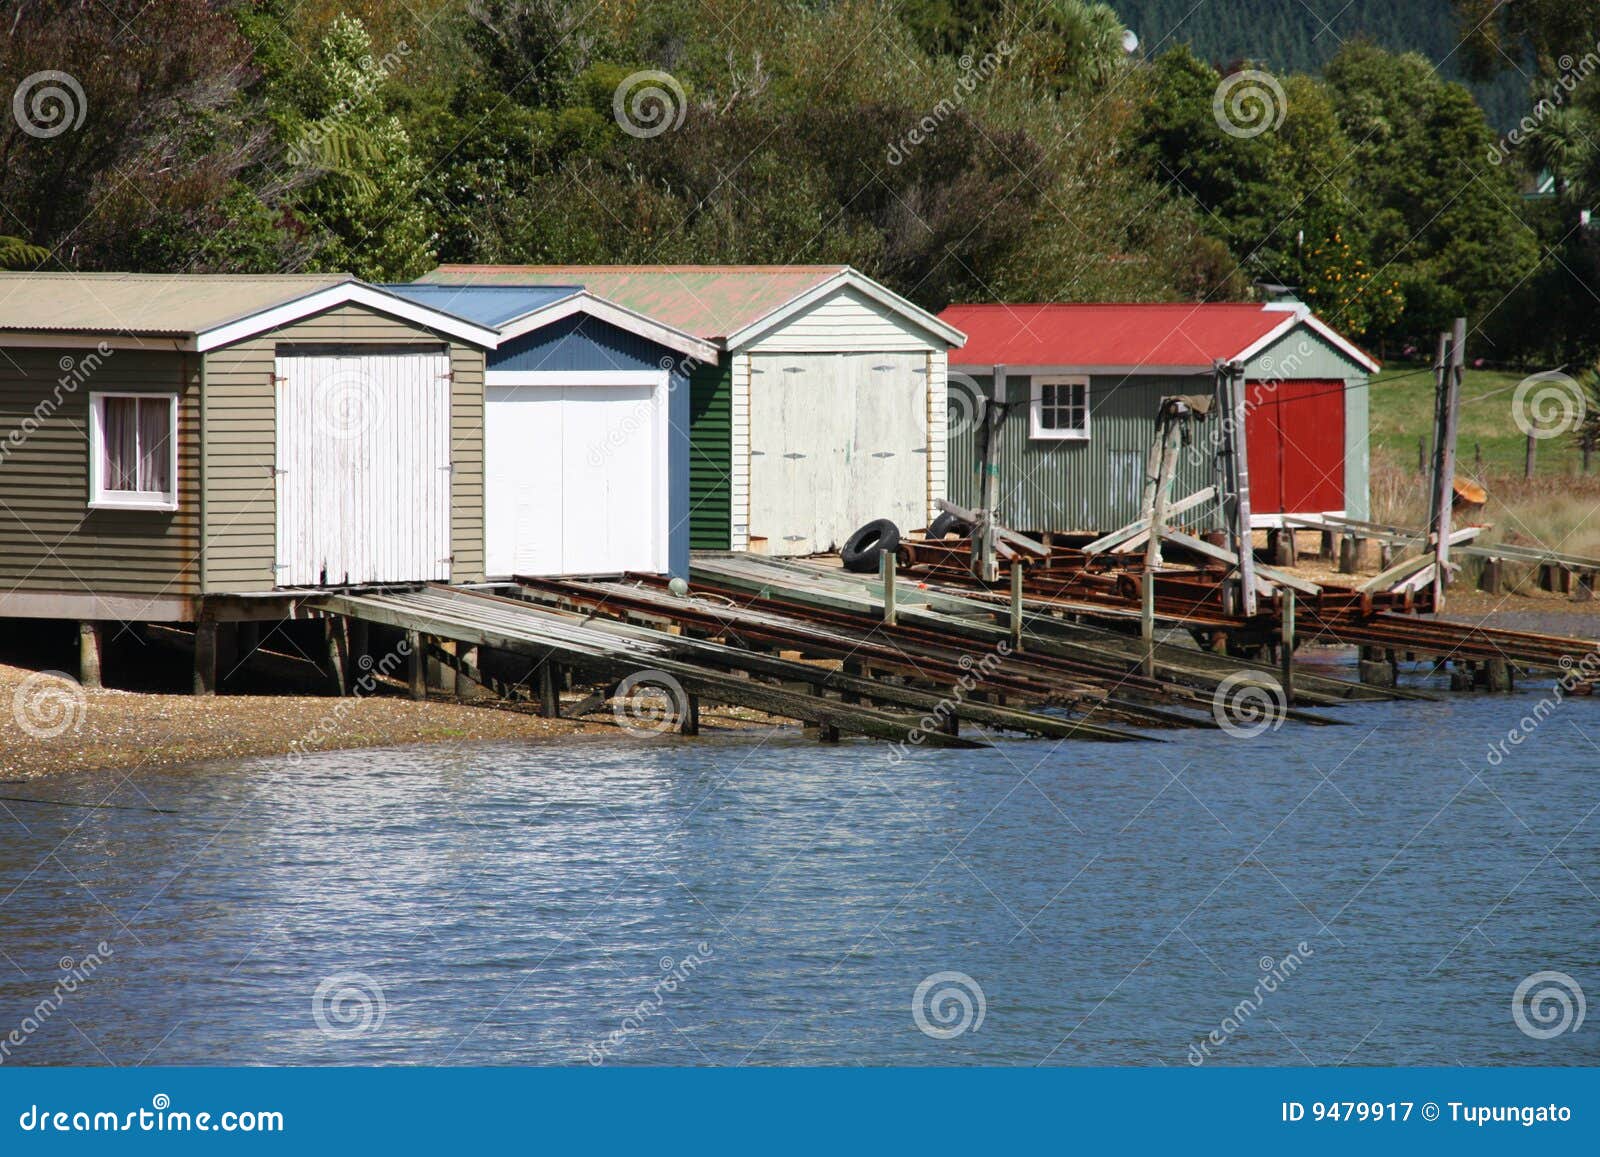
[[586, 430]]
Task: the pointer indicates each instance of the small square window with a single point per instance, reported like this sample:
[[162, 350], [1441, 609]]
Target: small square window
[[1060, 408], [133, 451]]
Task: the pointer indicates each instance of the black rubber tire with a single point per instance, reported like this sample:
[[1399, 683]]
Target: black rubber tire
[[861, 550], [944, 524]]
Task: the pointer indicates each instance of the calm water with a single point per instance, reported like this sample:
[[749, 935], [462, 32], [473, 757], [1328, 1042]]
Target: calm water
[[514, 905]]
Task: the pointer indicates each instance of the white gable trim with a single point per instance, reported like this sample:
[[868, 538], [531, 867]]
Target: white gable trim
[[943, 333], [613, 314], [1303, 314], [348, 293]]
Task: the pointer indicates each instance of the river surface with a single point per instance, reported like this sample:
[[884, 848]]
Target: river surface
[[1372, 893]]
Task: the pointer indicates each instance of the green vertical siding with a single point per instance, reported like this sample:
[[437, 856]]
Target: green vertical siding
[[711, 456], [1092, 485]]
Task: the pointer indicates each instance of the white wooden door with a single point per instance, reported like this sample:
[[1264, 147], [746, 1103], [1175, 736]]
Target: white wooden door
[[363, 468], [576, 470], [836, 440]]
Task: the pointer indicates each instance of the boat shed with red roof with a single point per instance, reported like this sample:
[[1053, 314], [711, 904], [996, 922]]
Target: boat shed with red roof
[[1092, 376]]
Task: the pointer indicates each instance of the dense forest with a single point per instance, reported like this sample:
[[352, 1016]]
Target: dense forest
[[954, 149], [1303, 35]]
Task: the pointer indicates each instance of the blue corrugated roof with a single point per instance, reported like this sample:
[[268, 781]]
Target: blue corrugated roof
[[487, 305]]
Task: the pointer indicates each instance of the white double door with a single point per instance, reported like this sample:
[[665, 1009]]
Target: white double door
[[836, 441], [363, 467], [576, 473]]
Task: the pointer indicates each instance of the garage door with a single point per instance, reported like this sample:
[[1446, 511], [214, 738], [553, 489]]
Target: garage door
[[836, 440], [576, 476], [1294, 431], [363, 467]]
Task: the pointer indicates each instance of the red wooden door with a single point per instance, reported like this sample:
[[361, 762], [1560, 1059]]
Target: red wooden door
[[1294, 431]]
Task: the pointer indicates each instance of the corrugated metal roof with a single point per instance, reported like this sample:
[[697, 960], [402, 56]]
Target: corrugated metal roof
[[1124, 335], [709, 301], [145, 304], [490, 305]]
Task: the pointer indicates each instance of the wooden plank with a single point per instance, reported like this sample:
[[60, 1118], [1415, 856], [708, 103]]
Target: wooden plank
[[1222, 554]]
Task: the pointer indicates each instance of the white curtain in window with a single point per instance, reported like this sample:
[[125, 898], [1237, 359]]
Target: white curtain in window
[[121, 443], [155, 453]]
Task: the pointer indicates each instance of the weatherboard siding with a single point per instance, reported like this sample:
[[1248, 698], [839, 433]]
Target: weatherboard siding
[[846, 321], [241, 439], [938, 430], [50, 541], [711, 457]]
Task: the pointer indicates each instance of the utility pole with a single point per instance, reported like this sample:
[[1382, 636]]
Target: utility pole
[[1448, 385], [1235, 473]]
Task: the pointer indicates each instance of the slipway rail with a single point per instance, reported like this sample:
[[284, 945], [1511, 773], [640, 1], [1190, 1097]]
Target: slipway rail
[[617, 652]]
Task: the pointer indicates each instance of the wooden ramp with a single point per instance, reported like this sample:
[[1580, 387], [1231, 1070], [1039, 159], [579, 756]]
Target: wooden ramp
[[618, 652]]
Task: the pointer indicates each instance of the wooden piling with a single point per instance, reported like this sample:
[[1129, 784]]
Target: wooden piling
[[334, 643], [89, 648], [416, 668], [1286, 645], [205, 657], [1147, 622], [886, 569], [690, 723], [1016, 605], [1491, 576], [549, 699]]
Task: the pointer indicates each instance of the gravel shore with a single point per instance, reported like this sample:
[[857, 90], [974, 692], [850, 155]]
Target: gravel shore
[[50, 724]]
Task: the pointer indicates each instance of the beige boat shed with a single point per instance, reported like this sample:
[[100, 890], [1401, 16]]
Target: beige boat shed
[[173, 440]]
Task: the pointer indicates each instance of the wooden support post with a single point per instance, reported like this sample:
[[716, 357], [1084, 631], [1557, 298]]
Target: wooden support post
[[1582, 586], [1147, 622], [1496, 675], [1385, 556], [886, 570], [1528, 456], [984, 567], [416, 666], [466, 687], [1445, 457], [1349, 554], [338, 651], [89, 643], [1016, 605], [360, 653], [1236, 476], [1376, 668], [1491, 576], [549, 700], [1325, 550], [690, 723], [205, 657], [1280, 547], [1286, 645]]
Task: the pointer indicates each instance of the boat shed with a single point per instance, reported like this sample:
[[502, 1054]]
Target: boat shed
[[824, 410], [165, 439], [586, 430], [1085, 382]]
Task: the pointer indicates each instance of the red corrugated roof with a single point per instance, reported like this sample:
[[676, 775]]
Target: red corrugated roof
[[1110, 335]]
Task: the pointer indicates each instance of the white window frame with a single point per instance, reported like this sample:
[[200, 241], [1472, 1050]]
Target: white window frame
[[102, 499], [1036, 426]]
